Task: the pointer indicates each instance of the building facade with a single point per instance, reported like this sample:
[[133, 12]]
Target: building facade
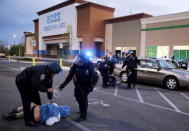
[[69, 27], [124, 33], [150, 36], [65, 29], [166, 36]]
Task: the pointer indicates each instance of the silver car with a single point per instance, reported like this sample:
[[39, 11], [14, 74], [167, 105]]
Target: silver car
[[157, 71]]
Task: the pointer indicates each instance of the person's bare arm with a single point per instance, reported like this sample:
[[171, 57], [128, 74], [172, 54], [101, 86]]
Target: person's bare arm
[[37, 113]]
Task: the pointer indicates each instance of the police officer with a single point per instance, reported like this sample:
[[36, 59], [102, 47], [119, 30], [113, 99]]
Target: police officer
[[82, 72], [103, 68], [32, 80], [131, 63]]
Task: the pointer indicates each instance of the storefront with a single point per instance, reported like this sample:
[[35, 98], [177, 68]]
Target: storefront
[[181, 52], [74, 25], [123, 34], [69, 27], [166, 36]]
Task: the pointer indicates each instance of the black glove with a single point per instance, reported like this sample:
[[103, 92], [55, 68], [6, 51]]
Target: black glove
[[60, 87]]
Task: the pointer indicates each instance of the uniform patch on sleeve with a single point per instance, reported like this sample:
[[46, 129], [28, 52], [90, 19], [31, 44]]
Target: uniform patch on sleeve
[[42, 77]]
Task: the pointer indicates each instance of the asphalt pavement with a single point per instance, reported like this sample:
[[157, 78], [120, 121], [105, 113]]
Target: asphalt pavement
[[144, 108]]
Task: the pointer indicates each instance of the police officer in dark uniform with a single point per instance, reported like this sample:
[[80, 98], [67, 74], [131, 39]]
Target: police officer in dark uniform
[[131, 63], [32, 80], [103, 69], [82, 72]]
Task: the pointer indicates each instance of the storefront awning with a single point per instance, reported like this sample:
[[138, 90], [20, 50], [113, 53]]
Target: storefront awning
[[62, 38]]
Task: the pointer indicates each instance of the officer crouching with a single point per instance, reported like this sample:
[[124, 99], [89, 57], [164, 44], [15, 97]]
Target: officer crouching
[[85, 78], [32, 80]]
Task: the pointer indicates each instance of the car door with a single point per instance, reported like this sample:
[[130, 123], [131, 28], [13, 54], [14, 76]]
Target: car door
[[148, 71]]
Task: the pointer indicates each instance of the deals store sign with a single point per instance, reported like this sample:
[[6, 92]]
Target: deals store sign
[[54, 22]]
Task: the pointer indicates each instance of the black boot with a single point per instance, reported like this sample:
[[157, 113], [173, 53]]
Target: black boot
[[30, 124], [9, 117], [80, 119]]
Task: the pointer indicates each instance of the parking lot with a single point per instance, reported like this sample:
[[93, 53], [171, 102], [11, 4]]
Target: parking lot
[[146, 107]]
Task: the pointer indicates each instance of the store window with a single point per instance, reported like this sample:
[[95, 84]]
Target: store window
[[157, 51], [151, 51], [121, 51], [162, 51], [181, 52], [148, 64]]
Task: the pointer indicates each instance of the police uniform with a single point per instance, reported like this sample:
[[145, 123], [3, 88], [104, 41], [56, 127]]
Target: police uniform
[[103, 68], [81, 75], [29, 82], [131, 62]]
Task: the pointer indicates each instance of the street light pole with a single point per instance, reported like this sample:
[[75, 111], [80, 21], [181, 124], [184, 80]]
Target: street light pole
[[14, 37]]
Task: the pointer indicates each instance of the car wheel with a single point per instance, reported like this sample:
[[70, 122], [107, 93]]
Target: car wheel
[[171, 83], [123, 77]]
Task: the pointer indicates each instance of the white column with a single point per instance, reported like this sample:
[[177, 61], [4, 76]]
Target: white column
[[108, 37], [143, 42]]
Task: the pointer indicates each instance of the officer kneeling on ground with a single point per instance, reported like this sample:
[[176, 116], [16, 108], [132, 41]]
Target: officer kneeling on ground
[[131, 63], [32, 80], [85, 78]]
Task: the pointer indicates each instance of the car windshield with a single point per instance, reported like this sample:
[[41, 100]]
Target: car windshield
[[165, 65]]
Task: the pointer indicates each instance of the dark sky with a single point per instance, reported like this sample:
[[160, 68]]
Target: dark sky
[[16, 16]]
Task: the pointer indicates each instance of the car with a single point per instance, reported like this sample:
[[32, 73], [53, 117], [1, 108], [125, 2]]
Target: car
[[2, 54], [184, 64], [95, 60], [157, 71]]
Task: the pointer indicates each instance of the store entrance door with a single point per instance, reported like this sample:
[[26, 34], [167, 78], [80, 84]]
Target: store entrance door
[[162, 51], [63, 52]]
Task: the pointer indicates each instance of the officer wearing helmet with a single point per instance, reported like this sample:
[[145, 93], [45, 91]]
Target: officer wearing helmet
[[32, 80], [131, 63], [82, 72]]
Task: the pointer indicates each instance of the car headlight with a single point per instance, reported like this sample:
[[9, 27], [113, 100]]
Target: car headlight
[[186, 76]]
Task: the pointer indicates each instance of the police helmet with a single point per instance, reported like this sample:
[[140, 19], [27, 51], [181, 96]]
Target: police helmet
[[54, 67], [131, 52]]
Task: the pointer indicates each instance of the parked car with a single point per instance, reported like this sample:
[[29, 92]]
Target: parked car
[[157, 71], [2, 54], [184, 64]]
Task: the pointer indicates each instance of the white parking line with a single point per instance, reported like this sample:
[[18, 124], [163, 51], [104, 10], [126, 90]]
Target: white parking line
[[139, 95], [185, 96], [117, 96], [166, 99], [77, 125], [130, 99], [17, 69], [116, 91]]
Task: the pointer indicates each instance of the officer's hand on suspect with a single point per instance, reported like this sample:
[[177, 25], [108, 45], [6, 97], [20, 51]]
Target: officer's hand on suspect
[[50, 90], [60, 87]]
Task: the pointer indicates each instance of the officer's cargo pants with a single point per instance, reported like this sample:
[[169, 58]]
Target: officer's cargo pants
[[28, 95], [82, 99]]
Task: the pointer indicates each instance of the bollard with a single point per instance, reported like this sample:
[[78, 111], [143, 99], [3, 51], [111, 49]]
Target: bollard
[[9, 58], [60, 62], [33, 61]]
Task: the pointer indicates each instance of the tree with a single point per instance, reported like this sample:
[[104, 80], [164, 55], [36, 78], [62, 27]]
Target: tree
[[14, 50], [3, 48]]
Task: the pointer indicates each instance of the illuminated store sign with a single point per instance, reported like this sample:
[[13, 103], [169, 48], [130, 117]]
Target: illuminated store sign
[[54, 22]]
